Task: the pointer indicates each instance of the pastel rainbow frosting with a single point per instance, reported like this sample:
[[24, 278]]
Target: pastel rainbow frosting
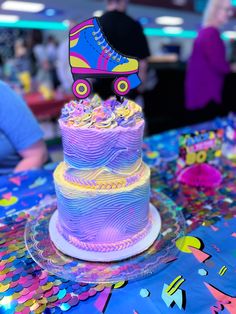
[[103, 186]]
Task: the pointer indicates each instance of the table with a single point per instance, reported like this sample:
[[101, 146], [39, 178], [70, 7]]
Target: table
[[43, 108], [201, 287]]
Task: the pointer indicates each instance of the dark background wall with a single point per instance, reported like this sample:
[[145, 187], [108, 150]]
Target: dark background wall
[[164, 105]]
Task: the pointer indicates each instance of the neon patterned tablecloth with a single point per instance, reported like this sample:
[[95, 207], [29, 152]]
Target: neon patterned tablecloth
[[201, 280]]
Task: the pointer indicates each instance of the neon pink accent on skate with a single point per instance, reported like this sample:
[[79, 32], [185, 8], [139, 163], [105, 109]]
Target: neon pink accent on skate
[[116, 86], [106, 63], [100, 60], [76, 36], [75, 90], [78, 27], [95, 71]]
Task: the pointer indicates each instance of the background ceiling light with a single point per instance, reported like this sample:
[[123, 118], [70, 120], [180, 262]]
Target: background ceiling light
[[22, 6], [66, 23], [229, 34], [169, 20], [98, 13], [173, 30], [8, 18]]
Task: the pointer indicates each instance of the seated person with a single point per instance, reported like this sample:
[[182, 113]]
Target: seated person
[[21, 139]]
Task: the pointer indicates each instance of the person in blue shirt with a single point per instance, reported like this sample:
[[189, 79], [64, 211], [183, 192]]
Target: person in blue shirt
[[21, 139]]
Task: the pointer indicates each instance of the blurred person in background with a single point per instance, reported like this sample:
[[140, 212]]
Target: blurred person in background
[[22, 64], [52, 51], [127, 37], [1, 68], [40, 59], [21, 139], [63, 65], [207, 66]]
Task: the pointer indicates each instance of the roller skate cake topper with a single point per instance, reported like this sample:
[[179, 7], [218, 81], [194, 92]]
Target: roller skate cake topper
[[198, 155], [92, 56]]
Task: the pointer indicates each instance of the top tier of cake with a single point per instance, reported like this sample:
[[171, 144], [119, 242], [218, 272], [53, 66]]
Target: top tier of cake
[[99, 134]]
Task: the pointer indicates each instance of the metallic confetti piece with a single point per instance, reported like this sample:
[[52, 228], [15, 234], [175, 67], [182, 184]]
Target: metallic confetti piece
[[29, 302], [24, 311], [52, 299], [48, 286], [119, 284], [74, 301], [65, 306], [42, 301], [4, 288], [40, 309], [83, 296], [34, 307], [102, 299], [61, 294], [68, 297], [20, 307]]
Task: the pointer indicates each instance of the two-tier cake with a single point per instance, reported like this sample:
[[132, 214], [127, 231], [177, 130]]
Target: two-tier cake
[[103, 186]]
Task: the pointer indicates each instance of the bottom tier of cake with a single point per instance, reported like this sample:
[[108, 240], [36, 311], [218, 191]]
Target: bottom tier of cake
[[105, 224], [67, 247]]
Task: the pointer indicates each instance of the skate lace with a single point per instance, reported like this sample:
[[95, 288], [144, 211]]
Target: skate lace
[[107, 48]]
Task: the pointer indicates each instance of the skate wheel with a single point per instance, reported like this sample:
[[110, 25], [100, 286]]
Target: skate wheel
[[121, 86], [82, 89]]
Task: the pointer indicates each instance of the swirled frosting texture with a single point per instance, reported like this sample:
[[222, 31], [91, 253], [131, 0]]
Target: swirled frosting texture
[[101, 220], [102, 134], [102, 178], [97, 114]]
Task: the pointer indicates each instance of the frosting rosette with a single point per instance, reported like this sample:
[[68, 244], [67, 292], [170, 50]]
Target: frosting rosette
[[95, 113]]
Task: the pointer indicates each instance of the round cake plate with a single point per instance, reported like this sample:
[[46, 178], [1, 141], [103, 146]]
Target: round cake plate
[[151, 261]]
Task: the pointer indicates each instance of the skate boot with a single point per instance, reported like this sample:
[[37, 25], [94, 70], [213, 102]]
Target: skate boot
[[92, 56]]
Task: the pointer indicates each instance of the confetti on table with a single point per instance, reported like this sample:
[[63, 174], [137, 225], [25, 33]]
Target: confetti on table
[[38, 182], [119, 284], [227, 302], [102, 300], [32, 289], [202, 272], [214, 228], [184, 244], [199, 255], [16, 180], [144, 293], [223, 271], [177, 298], [174, 285], [8, 200], [216, 248]]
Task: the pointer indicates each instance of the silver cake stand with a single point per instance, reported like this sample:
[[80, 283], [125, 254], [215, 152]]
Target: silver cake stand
[[149, 262]]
